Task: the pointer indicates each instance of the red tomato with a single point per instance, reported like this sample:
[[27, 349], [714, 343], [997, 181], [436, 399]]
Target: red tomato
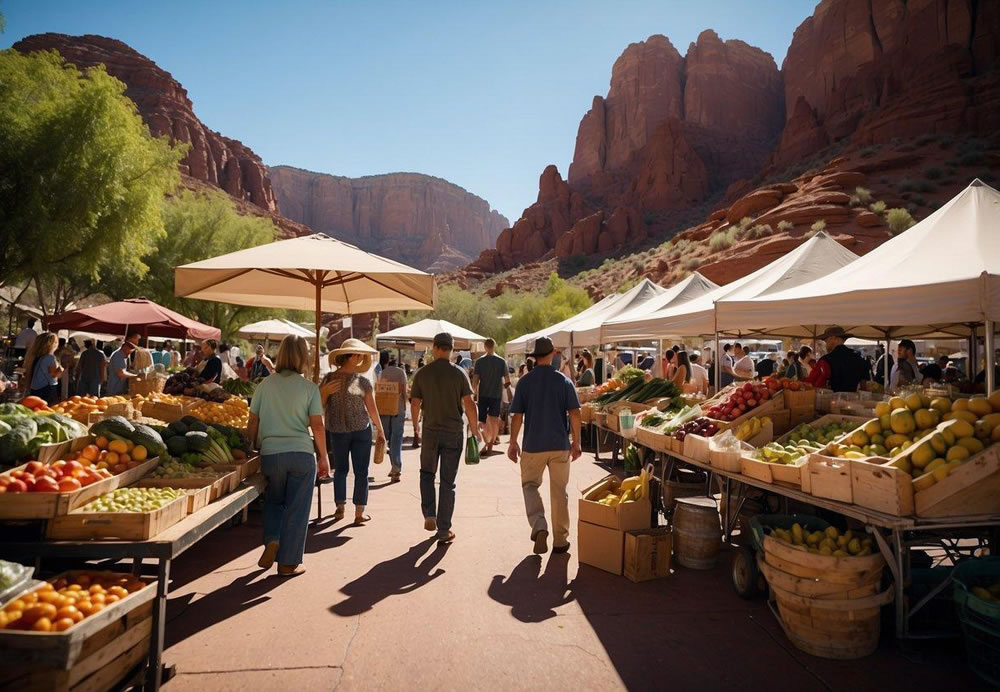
[[17, 486], [33, 467], [74, 465]]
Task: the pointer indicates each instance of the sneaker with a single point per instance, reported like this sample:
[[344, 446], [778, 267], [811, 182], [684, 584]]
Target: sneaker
[[541, 539], [559, 549], [430, 524]]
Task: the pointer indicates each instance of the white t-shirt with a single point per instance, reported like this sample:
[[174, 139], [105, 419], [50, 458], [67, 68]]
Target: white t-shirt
[[699, 377], [25, 338]]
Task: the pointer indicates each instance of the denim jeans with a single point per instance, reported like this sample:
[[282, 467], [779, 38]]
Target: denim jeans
[[347, 450], [91, 387], [290, 480], [393, 427], [446, 448]]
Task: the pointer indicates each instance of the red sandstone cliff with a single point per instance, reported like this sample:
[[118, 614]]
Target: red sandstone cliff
[[167, 110], [418, 219]]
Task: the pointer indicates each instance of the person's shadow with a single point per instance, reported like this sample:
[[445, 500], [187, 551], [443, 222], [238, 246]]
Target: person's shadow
[[396, 577], [533, 597]]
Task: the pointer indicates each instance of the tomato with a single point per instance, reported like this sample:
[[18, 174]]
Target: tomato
[[74, 465], [45, 485], [91, 452], [68, 485]]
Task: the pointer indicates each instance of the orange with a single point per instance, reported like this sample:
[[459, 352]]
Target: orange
[[91, 452], [101, 442], [42, 625], [63, 624]]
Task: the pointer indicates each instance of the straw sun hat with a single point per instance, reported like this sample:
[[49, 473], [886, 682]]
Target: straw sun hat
[[352, 346]]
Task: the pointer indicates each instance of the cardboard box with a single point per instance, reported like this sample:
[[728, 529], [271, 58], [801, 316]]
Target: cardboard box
[[622, 517], [600, 547], [647, 553]]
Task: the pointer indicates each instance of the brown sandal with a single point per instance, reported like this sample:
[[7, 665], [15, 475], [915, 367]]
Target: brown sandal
[[358, 521], [290, 570]]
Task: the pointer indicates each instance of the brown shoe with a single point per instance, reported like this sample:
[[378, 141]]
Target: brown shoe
[[442, 538], [430, 524], [560, 549], [290, 570], [339, 514], [541, 539], [270, 553]]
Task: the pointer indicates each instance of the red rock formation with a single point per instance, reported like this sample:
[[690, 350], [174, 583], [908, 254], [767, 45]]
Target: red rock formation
[[418, 219], [873, 71], [167, 110], [672, 174]]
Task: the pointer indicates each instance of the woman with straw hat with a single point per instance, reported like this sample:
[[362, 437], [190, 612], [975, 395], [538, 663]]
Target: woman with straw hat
[[349, 405]]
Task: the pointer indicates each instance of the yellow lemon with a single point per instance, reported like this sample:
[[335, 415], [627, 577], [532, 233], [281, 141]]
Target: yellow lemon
[[965, 415], [923, 482], [872, 428], [962, 428], [939, 444], [860, 438], [941, 472], [885, 421], [936, 464]]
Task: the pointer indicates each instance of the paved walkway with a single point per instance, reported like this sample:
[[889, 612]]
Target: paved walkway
[[383, 607]]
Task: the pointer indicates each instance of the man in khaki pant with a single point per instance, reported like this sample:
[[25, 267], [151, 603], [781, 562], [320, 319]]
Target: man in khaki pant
[[545, 400]]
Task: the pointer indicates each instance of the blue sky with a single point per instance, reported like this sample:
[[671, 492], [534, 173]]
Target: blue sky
[[484, 94]]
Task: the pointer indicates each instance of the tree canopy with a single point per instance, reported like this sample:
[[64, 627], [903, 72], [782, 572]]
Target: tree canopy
[[81, 178]]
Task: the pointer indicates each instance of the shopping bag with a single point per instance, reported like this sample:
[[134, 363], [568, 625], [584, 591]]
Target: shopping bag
[[379, 456], [471, 450]]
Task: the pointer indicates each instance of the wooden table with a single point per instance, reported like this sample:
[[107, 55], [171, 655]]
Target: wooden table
[[894, 535], [163, 548]]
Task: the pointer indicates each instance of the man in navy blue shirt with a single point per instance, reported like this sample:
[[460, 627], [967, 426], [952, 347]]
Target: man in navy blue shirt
[[545, 400]]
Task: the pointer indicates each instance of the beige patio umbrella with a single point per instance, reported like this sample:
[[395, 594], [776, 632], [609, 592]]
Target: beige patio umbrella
[[314, 272]]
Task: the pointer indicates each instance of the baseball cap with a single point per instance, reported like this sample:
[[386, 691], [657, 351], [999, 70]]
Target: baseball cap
[[444, 340]]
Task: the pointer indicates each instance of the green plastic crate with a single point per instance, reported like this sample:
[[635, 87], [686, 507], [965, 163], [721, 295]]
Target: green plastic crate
[[980, 618]]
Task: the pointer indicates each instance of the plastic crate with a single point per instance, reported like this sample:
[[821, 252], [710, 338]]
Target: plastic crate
[[937, 616], [783, 521], [980, 618]]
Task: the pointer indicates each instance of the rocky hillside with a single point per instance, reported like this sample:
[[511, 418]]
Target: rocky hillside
[[418, 219], [897, 98]]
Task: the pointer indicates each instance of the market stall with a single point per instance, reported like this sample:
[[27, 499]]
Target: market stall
[[314, 272], [420, 335], [274, 330], [135, 314]]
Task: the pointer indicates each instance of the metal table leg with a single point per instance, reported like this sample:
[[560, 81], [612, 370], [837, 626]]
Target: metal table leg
[[894, 558], [159, 626]]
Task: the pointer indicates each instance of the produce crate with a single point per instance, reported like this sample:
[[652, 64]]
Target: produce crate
[[135, 526], [756, 469], [647, 554], [48, 505], [803, 398], [58, 450], [622, 517], [144, 386], [765, 435], [169, 412], [799, 415], [93, 654], [775, 403], [726, 460], [828, 477], [653, 439], [971, 489], [980, 619], [234, 474], [782, 474], [697, 447], [587, 413], [221, 485], [878, 485], [781, 421], [585, 394], [826, 420], [601, 419], [198, 498]]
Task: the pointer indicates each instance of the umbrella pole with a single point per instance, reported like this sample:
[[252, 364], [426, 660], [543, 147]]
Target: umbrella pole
[[319, 319], [989, 357]]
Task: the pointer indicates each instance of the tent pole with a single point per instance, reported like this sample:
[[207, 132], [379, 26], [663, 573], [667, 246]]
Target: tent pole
[[885, 361], [660, 363], [319, 319], [971, 355], [717, 356], [990, 357]]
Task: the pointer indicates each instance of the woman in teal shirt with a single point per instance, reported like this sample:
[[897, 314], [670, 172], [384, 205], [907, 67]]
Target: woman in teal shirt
[[285, 408]]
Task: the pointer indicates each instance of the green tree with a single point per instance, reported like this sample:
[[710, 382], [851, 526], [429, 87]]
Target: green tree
[[199, 225], [81, 178]]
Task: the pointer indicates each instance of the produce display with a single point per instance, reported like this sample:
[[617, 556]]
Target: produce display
[[968, 427], [179, 469], [134, 500], [631, 489], [746, 397], [703, 427], [119, 429], [751, 428], [12, 573], [830, 541], [234, 411], [802, 441], [57, 606], [189, 384], [23, 431], [59, 477], [238, 387], [198, 443], [79, 408], [640, 391]]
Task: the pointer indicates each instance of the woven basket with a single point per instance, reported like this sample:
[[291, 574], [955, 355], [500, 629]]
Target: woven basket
[[147, 386]]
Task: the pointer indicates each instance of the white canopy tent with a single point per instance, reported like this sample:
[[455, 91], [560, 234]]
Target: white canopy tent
[[692, 287], [585, 327], [818, 256], [274, 330], [942, 273], [421, 335]]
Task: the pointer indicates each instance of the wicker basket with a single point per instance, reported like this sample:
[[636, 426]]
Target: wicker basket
[[147, 386]]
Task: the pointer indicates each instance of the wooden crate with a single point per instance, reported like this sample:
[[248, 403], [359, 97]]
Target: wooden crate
[[48, 505], [792, 474], [80, 651], [780, 421], [198, 498], [59, 450], [799, 415], [803, 398], [653, 439], [234, 475], [877, 485], [252, 465], [757, 469], [134, 526], [768, 408], [765, 435], [971, 489], [696, 447], [826, 420], [169, 412], [829, 477], [221, 485], [647, 553], [586, 414]]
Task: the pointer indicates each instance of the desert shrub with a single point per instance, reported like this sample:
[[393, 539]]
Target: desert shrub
[[745, 222], [933, 173], [906, 185], [722, 239], [817, 227], [868, 152], [925, 186], [926, 139], [899, 220], [760, 230], [863, 194], [920, 200], [691, 263], [785, 226], [877, 207], [972, 158]]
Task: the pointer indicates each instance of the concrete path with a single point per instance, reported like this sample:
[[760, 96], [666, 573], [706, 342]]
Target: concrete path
[[383, 607]]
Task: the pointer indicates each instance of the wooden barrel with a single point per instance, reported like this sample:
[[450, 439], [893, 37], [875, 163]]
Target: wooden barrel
[[828, 606], [697, 532]]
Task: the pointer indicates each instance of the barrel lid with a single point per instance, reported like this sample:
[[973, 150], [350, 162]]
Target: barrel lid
[[697, 501]]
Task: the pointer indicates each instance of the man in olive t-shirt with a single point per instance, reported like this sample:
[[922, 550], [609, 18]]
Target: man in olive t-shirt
[[442, 390]]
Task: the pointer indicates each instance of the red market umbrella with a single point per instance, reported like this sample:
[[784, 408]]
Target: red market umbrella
[[135, 314]]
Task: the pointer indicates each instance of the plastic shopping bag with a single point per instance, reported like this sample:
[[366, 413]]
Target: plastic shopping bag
[[471, 450]]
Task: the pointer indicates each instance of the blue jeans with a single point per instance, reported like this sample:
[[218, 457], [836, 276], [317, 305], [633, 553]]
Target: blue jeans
[[91, 387], [346, 450], [290, 480], [393, 427], [444, 448]]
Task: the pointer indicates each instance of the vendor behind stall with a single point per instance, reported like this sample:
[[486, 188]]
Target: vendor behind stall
[[212, 372], [841, 369]]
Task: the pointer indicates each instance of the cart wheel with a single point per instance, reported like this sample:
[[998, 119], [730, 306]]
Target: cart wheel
[[745, 573]]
